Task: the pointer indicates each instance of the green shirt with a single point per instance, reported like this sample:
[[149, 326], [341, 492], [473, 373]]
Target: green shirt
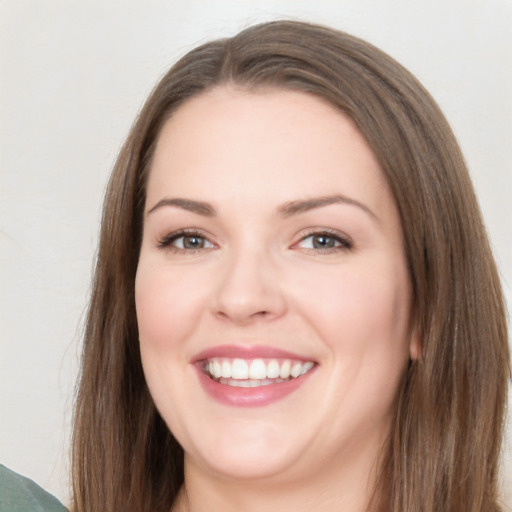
[[19, 494]]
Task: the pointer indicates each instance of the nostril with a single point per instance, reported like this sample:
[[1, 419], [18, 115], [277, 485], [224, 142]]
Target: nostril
[[241, 318], [248, 291]]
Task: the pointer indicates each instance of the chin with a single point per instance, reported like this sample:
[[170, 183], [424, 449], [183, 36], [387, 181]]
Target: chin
[[249, 453]]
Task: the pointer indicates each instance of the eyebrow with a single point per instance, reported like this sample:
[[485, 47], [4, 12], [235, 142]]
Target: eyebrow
[[300, 206], [199, 207], [286, 210]]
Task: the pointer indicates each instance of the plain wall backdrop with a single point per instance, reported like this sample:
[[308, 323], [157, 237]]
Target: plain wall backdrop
[[73, 75]]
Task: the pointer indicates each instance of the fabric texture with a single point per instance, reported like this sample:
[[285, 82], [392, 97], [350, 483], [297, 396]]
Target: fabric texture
[[19, 494]]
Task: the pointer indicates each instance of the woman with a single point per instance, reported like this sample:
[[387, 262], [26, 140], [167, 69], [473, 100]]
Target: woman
[[295, 304]]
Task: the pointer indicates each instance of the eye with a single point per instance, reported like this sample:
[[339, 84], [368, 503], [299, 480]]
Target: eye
[[185, 241], [325, 241]]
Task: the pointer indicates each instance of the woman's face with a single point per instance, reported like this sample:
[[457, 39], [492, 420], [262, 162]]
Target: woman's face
[[272, 292]]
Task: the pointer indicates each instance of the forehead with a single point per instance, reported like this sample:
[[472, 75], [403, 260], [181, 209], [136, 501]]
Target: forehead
[[276, 143]]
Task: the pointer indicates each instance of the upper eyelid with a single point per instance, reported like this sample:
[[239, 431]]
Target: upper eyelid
[[325, 231]]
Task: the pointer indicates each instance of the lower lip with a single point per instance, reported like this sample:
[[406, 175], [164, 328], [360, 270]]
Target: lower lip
[[250, 397]]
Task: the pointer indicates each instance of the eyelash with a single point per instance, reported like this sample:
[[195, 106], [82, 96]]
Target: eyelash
[[167, 241], [344, 243]]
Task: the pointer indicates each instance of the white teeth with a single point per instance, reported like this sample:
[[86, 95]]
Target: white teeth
[[226, 369], [273, 369], [240, 369], [296, 369], [306, 367], [258, 372], [217, 370], [284, 372], [249, 383]]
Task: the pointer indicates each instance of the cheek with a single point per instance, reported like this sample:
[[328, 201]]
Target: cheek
[[167, 309], [167, 303], [362, 317], [362, 313]]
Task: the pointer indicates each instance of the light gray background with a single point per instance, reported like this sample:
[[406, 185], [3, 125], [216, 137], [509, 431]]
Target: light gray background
[[73, 75]]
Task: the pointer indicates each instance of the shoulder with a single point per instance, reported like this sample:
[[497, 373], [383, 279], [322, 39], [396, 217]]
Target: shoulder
[[19, 494]]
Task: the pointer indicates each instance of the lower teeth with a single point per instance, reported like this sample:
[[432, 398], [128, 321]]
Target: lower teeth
[[249, 383]]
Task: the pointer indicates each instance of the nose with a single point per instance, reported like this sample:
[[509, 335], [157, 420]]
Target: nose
[[249, 289]]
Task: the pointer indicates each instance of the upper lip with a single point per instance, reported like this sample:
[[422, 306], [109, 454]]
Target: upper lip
[[247, 352]]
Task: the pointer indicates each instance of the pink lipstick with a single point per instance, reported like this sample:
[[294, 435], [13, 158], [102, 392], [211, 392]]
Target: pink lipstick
[[249, 376]]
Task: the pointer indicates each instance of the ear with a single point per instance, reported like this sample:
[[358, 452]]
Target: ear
[[415, 345]]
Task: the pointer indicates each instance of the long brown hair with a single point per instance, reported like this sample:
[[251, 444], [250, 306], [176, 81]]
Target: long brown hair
[[443, 450]]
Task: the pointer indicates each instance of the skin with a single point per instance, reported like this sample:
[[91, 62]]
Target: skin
[[260, 278]]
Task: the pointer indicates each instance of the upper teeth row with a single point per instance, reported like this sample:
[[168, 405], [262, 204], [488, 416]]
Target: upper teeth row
[[256, 369]]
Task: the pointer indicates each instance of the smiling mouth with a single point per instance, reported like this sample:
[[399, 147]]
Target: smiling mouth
[[245, 373]]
